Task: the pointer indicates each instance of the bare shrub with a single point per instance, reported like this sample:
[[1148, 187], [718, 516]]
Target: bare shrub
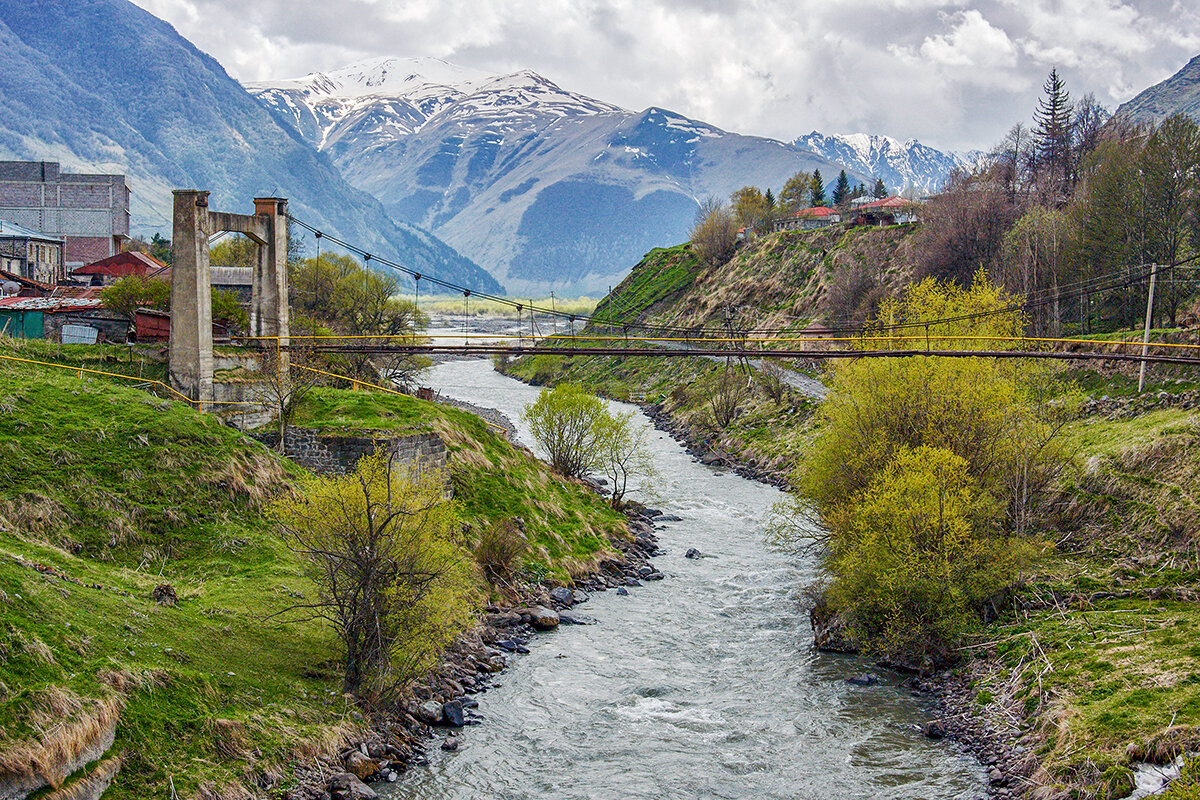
[[499, 548], [964, 227], [770, 380], [714, 233], [729, 394], [854, 294]]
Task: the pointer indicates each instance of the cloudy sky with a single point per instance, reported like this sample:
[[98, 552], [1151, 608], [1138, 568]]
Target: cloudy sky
[[953, 73]]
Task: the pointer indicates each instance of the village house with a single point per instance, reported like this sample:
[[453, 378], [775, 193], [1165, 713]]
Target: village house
[[90, 213], [894, 210], [30, 254], [807, 219], [122, 265]]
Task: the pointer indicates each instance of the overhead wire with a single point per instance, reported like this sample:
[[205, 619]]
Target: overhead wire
[[1090, 286]]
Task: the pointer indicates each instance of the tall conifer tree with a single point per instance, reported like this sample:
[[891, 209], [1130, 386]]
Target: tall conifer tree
[[1052, 134], [817, 189], [841, 189]]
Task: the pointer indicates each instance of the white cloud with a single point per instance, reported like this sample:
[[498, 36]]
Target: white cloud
[[973, 42], [953, 73]]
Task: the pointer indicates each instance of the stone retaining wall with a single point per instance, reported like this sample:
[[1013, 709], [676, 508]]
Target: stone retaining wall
[[328, 453], [1125, 407]]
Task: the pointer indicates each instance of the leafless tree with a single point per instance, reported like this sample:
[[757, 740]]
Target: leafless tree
[[286, 377], [714, 234]]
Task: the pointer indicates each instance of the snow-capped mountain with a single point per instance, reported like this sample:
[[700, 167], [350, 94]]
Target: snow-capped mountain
[[901, 165], [102, 85], [545, 188]]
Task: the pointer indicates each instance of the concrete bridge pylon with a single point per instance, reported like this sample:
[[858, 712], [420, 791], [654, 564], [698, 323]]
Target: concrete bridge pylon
[[191, 345]]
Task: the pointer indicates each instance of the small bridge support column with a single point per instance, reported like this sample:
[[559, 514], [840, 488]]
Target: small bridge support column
[[191, 363], [191, 347]]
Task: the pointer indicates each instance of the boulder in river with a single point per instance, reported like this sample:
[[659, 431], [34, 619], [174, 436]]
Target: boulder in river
[[360, 765], [345, 786], [865, 679], [693, 553], [543, 618], [430, 712], [934, 729], [562, 595], [452, 714]]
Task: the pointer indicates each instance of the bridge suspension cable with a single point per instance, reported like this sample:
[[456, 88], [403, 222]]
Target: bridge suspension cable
[[1090, 286]]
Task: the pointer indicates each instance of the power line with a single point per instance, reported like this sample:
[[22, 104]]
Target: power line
[[1086, 287]]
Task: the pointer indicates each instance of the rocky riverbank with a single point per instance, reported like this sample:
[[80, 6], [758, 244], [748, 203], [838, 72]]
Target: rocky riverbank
[[444, 702], [992, 738]]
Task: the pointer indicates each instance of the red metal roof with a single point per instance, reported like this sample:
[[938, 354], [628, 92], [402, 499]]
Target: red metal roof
[[895, 201], [122, 265], [77, 292], [816, 212]]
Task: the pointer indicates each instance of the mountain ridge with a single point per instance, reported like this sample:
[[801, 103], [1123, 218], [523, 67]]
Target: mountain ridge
[[104, 85], [902, 165], [547, 188], [1178, 94]]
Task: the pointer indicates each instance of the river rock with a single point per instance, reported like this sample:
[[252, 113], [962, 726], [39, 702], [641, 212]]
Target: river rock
[[452, 714], [430, 712], [621, 590], [450, 744], [865, 679], [934, 729], [505, 619], [345, 786], [562, 595], [360, 765], [579, 597], [576, 619], [543, 618], [693, 553], [669, 518]]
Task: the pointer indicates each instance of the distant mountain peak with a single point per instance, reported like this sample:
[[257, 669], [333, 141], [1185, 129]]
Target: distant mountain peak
[[1178, 94], [901, 165]]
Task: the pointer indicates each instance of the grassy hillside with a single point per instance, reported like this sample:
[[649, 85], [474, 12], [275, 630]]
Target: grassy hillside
[[1102, 656], [567, 524], [781, 279], [108, 492], [766, 433]]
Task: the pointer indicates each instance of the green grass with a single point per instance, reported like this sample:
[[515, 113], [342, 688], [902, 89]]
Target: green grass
[[1098, 436], [659, 277], [111, 486], [114, 487], [567, 524], [133, 360]]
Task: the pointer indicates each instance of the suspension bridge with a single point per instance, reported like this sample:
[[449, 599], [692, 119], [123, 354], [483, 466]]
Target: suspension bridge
[[191, 347]]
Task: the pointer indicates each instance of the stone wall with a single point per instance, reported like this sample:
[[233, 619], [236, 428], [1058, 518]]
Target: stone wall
[[328, 453], [1126, 407]]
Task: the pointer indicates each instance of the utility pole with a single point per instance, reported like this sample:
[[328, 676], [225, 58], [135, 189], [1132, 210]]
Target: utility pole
[[553, 314], [1146, 335]]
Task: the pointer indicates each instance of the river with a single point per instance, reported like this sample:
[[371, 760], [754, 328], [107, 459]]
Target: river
[[702, 685]]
